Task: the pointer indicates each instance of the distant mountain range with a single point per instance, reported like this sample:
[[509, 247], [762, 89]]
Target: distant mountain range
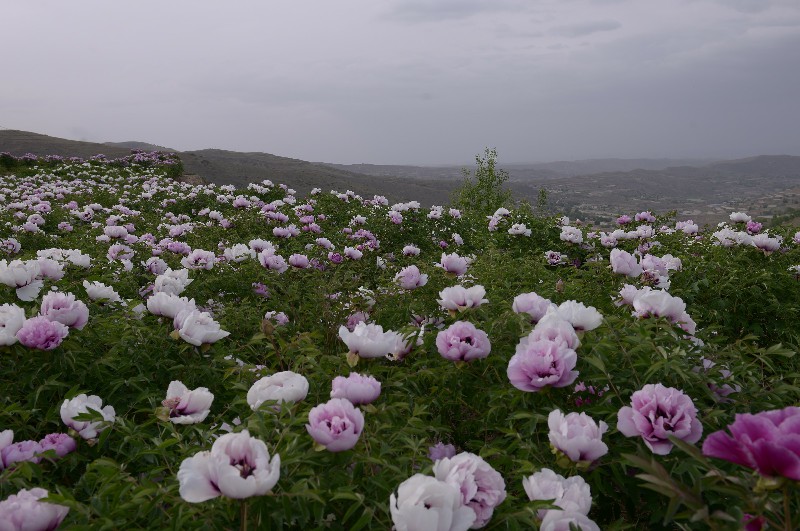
[[595, 189]]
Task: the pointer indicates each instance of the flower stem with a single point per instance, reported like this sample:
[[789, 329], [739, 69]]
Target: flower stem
[[243, 516], [787, 514]]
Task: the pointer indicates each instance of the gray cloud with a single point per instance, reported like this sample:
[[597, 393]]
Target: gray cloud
[[586, 28], [443, 10]]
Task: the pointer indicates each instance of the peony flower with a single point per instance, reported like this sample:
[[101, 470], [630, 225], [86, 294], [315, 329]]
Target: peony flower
[[83, 404], [198, 328], [624, 263], [540, 363], [767, 442], [658, 303], [739, 217], [553, 327], [169, 305], [411, 278], [42, 333], [566, 521], [459, 298], [368, 340], [12, 317], [97, 291], [580, 316], [336, 424], [454, 264], [299, 261], [172, 282], [356, 388], [577, 436], [570, 494], [24, 512], [61, 443], [285, 386], [63, 307], [571, 234], [482, 487], [185, 406], [532, 304], [461, 341], [441, 451], [199, 259], [424, 503], [237, 466], [20, 452], [22, 275], [656, 412]]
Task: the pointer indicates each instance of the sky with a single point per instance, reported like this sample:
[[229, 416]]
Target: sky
[[411, 81]]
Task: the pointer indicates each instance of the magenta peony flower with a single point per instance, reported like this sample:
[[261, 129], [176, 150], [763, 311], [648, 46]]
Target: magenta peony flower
[[461, 341], [42, 333], [768, 442], [24, 511], [238, 466], [336, 424], [482, 487], [63, 307], [541, 363], [61, 443], [441, 451], [356, 388], [577, 436], [657, 412], [19, 452]]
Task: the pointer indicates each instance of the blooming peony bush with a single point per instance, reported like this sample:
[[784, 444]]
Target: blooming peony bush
[[638, 376]]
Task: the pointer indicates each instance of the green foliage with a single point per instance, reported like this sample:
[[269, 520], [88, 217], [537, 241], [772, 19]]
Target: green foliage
[[482, 192]]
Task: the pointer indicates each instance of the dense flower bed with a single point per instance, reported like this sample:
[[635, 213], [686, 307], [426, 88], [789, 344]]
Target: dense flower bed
[[211, 357]]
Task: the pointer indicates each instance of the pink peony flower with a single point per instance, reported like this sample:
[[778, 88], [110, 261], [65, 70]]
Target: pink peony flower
[[185, 406], [577, 436], [768, 442], [624, 263], [24, 511], [299, 261], [20, 452], [61, 443], [411, 278], [540, 363], [461, 341], [532, 304], [656, 412], [238, 466], [198, 328], [566, 521], [42, 333], [441, 451], [356, 388], [64, 308], [482, 487], [336, 424], [453, 263]]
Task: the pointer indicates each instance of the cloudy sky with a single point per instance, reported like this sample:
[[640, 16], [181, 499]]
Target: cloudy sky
[[410, 81]]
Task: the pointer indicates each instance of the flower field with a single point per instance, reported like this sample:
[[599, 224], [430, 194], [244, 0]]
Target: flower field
[[182, 356]]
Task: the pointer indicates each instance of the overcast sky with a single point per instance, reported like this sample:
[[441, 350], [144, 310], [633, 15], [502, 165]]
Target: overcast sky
[[410, 81]]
